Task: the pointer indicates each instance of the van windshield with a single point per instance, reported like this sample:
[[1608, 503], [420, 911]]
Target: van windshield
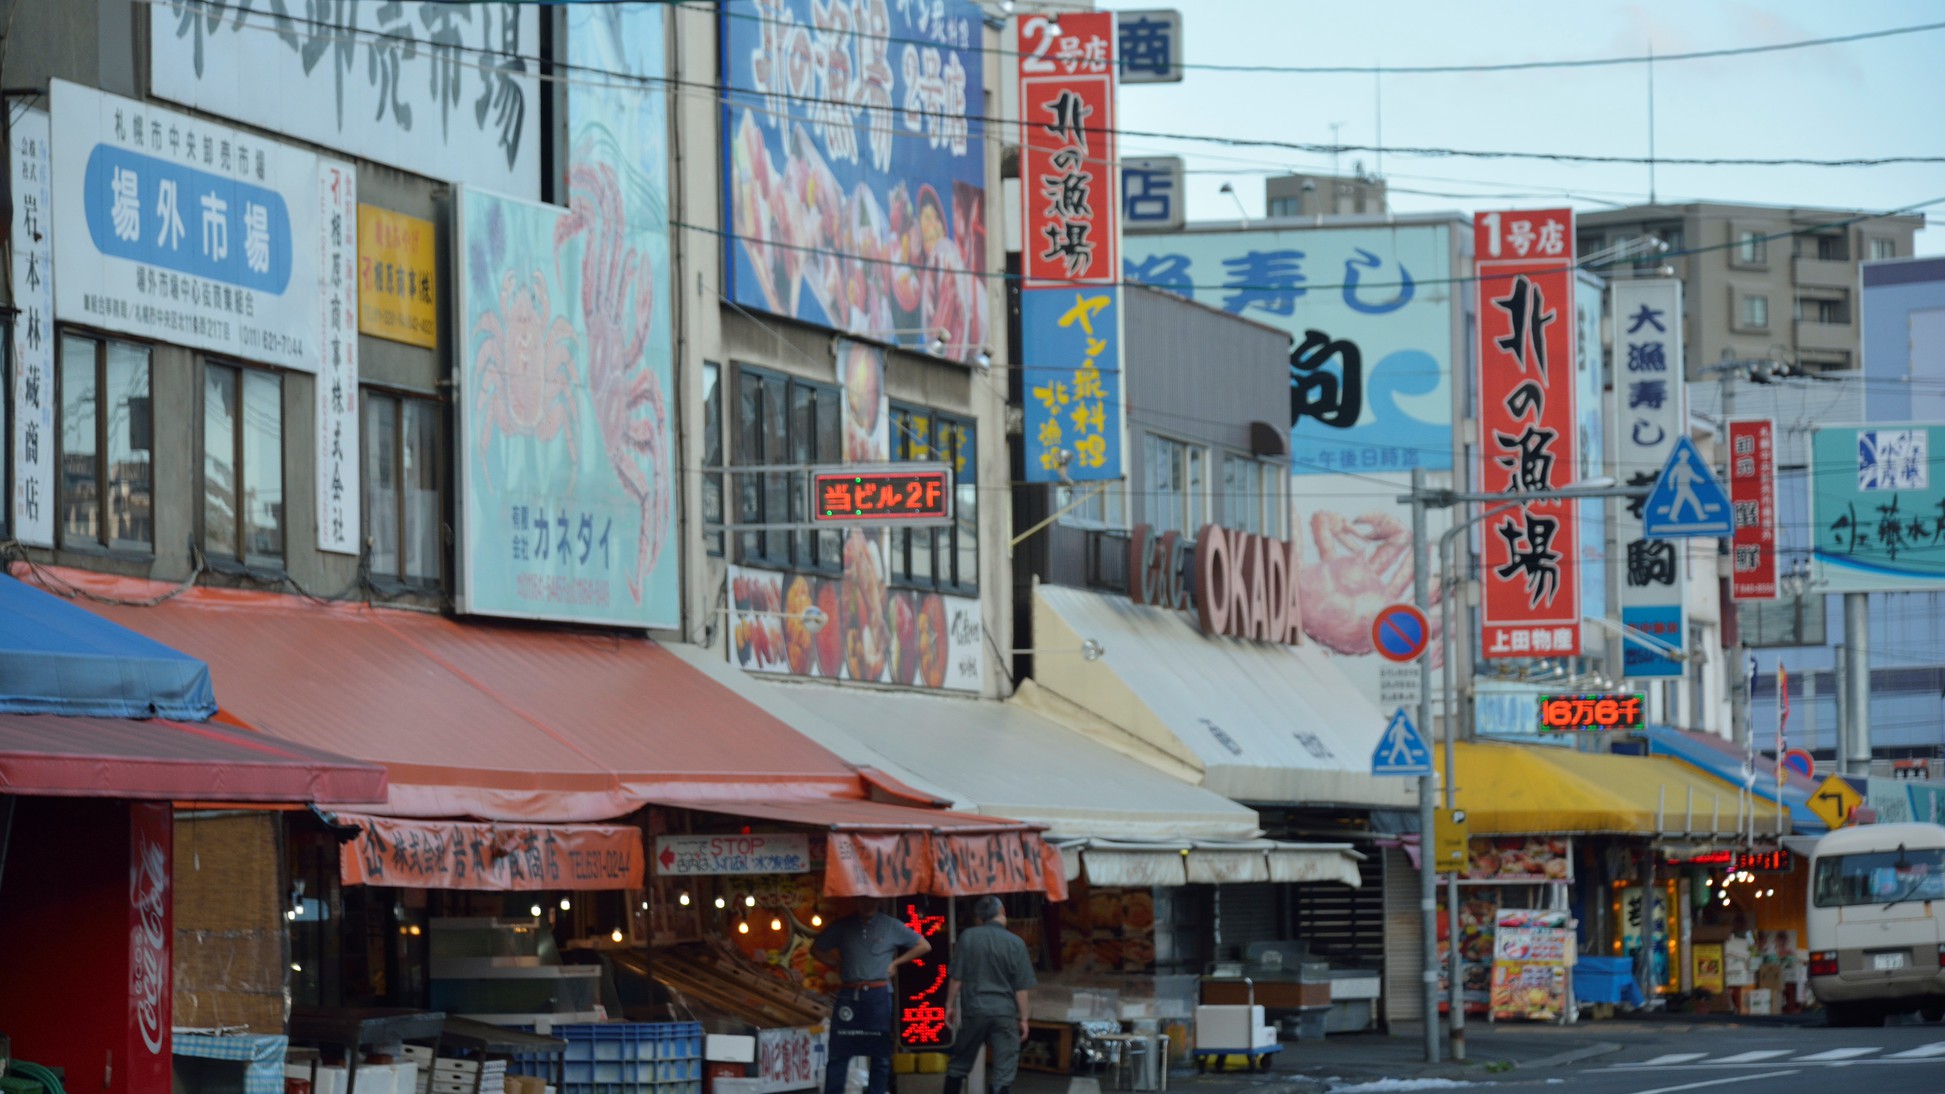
[[1880, 877]]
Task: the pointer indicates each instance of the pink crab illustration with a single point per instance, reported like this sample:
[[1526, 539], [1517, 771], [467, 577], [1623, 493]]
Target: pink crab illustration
[[526, 369], [1363, 566], [617, 311]]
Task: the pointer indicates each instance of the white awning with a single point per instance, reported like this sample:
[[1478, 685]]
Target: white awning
[[1260, 723], [995, 758], [1209, 862]]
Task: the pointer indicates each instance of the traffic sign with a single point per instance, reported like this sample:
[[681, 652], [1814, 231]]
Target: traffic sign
[[1400, 633], [1800, 762], [1449, 838], [1401, 751], [1834, 800], [1687, 500]]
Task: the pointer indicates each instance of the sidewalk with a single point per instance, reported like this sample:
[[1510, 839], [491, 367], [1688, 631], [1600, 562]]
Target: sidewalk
[[1316, 1067]]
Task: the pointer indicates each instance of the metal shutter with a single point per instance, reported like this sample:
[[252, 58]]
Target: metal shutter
[[1342, 925], [1244, 913], [1404, 989]]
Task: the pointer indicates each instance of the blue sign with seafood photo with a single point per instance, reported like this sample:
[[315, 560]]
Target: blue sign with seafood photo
[[855, 167]]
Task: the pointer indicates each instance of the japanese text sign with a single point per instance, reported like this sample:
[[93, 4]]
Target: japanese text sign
[[1524, 264], [855, 166], [759, 853], [502, 857], [448, 91], [908, 495], [1073, 383], [1589, 712], [922, 982], [1149, 46], [1067, 150], [398, 296], [1752, 495], [337, 345], [32, 444], [1651, 414], [173, 228], [1152, 197], [1877, 507]]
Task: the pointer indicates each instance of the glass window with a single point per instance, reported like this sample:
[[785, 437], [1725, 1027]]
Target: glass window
[[1752, 247], [1883, 248], [106, 431], [1099, 503], [243, 464], [1879, 877], [1177, 494], [942, 558], [781, 421], [1755, 311], [712, 458], [1241, 495], [402, 510]]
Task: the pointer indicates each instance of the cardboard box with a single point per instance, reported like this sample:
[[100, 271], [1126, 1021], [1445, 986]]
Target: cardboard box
[[1758, 1001]]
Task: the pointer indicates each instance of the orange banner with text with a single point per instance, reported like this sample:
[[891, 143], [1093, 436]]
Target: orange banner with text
[[505, 856]]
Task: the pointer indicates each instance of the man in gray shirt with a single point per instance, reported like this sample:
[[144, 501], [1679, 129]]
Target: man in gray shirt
[[866, 947], [990, 975]]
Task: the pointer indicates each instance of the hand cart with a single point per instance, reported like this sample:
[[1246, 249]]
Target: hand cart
[[1258, 1057]]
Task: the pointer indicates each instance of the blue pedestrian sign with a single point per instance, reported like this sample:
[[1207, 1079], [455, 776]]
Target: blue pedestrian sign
[[1401, 751], [1687, 500]]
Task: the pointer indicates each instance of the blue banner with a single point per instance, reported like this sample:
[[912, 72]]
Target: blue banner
[[1662, 622], [1073, 382], [179, 218], [855, 167]]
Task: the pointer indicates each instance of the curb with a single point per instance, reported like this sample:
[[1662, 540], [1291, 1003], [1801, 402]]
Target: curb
[[1571, 1056]]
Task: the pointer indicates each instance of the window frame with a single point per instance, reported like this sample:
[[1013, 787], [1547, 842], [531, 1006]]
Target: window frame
[[715, 539], [105, 543], [945, 542], [1872, 244], [818, 551], [240, 555], [368, 396], [1747, 302], [1752, 247], [1195, 509]]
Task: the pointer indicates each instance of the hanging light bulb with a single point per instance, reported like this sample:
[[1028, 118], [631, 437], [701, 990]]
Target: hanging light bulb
[[742, 926], [776, 924], [534, 911], [566, 904], [645, 905], [816, 920], [721, 903], [616, 935], [749, 902], [682, 899]]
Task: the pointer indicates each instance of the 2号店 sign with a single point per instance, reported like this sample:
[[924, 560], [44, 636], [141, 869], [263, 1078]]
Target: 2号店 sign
[[761, 853]]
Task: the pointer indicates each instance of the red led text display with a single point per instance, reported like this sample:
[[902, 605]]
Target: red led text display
[[1756, 862], [922, 981], [1565, 712], [921, 494]]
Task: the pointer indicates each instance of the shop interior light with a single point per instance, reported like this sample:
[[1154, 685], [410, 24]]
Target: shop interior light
[[295, 967], [776, 924], [742, 926], [566, 904], [416, 930], [721, 903], [816, 920], [681, 898], [534, 911], [749, 902], [685, 900], [616, 935]]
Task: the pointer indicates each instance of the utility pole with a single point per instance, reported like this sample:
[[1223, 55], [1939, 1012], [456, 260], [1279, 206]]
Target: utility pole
[[1427, 788], [1856, 757]]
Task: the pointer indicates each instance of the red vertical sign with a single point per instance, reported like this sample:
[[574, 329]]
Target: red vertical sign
[[151, 946], [1752, 496], [1068, 172], [1523, 265]]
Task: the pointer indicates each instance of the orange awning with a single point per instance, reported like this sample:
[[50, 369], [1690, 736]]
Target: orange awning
[[499, 856]]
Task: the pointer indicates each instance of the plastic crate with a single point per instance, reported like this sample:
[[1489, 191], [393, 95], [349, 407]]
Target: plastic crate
[[623, 1058]]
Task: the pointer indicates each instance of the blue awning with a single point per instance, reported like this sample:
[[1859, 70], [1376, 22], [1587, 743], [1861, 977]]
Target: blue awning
[[59, 658], [1721, 758]]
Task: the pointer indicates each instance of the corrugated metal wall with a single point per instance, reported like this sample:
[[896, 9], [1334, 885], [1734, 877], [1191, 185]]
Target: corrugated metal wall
[[1404, 989]]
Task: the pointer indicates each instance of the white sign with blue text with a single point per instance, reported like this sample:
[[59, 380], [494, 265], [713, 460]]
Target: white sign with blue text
[[170, 227], [1688, 500], [1401, 751]]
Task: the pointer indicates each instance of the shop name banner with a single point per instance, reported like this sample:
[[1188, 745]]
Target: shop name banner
[[1532, 952], [1752, 498], [1073, 378], [448, 91], [855, 167], [398, 296], [338, 455], [1523, 265], [1877, 507], [1370, 316], [764, 853], [32, 278], [173, 228], [1067, 150], [1651, 413], [414, 854], [1238, 584]]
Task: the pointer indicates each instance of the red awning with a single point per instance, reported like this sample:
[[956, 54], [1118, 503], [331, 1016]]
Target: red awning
[[45, 754]]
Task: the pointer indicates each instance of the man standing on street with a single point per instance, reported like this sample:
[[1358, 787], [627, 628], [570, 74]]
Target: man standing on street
[[866, 947], [991, 973]]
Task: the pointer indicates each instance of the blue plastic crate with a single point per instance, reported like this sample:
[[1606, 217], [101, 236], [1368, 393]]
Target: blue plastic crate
[[624, 1058]]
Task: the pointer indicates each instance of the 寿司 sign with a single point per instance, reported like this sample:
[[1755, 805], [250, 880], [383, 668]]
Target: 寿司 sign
[[762, 853]]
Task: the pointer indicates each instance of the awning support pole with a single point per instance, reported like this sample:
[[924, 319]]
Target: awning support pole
[[1427, 792]]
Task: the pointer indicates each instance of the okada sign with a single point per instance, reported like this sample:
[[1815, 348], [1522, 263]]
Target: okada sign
[[1238, 584]]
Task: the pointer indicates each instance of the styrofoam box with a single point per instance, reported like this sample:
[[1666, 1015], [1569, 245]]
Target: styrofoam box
[[1230, 1027], [729, 1048], [330, 1080]]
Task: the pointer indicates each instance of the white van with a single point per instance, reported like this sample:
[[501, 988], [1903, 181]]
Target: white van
[[1877, 922]]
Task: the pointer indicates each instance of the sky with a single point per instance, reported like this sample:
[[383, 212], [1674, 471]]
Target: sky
[[1879, 97]]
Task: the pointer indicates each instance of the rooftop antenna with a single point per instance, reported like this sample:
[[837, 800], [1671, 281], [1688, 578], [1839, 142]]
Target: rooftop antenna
[[1334, 149], [1651, 121]]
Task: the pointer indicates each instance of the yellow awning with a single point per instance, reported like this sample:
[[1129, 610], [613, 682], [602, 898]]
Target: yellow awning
[[1508, 789]]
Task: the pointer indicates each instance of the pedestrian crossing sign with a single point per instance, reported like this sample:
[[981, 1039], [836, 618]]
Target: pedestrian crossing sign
[[1687, 500], [1401, 751]]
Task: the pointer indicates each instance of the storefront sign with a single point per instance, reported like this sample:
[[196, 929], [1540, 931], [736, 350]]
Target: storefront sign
[[1752, 495], [915, 494], [398, 297], [1651, 409], [1067, 154], [32, 437], [1149, 46], [1074, 414], [337, 382], [922, 983], [1244, 585], [792, 1058], [945, 864], [1521, 858], [1532, 952], [1706, 958], [151, 941], [1523, 266], [1152, 191], [856, 166], [501, 857], [1877, 507], [1589, 712], [1778, 861], [448, 91], [177, 229], [762, 853]]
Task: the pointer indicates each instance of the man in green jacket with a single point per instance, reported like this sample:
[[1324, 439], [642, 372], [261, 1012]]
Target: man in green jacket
[[986, 1001]]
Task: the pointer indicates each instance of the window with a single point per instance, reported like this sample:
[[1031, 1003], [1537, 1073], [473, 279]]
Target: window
[[1752, 247], [106, 458], [1831, 248], [942, 558], [780, 420], [1100, 503], [1879, 877], [1177, 495], [1883, 248], [712, 458], [1286, 207], [1253, 495], [1810, 309], [1755, 311], [402, 519], [243, 464]]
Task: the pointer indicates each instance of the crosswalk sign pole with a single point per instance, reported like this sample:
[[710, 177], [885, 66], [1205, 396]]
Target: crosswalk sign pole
[[1427, 792]]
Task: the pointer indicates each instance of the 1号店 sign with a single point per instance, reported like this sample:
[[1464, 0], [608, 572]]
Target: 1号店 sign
[[1524, 273], [1752, 497], [762, 853]]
